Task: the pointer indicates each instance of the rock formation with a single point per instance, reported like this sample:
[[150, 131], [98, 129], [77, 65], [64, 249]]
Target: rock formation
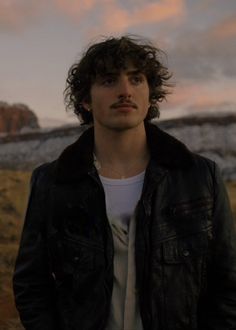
[[16, 118]]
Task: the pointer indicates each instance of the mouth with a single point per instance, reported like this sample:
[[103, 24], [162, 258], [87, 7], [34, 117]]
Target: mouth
[[123, 106]]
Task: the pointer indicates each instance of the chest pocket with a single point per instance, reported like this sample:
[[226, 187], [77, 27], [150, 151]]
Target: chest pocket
[[77, 256], [76, 246], [184, 249], [69, 256], [185, 233], [181, 247]]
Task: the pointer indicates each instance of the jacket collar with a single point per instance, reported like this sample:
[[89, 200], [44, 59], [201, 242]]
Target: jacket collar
[[77, 159]]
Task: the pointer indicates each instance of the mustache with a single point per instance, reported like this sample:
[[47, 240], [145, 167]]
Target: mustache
[[124, 103]]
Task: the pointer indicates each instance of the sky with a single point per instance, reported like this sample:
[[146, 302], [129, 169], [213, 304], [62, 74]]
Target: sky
[[40, 40]]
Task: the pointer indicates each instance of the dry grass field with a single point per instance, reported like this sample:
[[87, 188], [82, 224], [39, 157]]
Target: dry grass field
[[13, 198]]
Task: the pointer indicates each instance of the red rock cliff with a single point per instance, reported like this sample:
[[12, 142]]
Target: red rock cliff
[[16, 117]]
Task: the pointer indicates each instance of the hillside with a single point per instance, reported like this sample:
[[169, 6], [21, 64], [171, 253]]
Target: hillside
[[13, 200], [213, 137]]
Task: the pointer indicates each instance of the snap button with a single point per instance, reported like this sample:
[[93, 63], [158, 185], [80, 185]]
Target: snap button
[[186, 253]]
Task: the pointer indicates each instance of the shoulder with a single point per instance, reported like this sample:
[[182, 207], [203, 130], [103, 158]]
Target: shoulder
[[172, 154], [202, 163], [44, 174]]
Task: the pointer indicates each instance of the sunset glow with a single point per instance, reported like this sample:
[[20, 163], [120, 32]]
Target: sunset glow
[[41, 40]]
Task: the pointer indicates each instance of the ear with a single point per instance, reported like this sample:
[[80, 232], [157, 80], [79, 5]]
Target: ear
[[87, 105]]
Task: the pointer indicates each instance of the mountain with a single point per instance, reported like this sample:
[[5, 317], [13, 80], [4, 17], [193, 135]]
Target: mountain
[[211, 136]]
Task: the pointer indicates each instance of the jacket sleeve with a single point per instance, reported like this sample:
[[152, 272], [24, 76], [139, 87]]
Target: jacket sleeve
[[219, 307], [32, 281]]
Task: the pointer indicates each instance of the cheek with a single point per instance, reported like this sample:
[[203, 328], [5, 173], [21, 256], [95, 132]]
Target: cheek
[[99, 97], [99, 105], [95, 100], [144, 94], [145, 98]]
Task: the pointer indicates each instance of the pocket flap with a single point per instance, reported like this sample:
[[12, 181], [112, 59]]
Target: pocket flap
[[183, 249]]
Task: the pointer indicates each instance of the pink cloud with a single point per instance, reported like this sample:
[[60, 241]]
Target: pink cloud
[[157, 12], [117, 19], [114, 17], [226, 29], [203, 96], [76, 8], [16, 14]]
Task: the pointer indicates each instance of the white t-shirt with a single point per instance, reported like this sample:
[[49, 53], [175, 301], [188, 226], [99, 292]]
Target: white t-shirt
[[122, 196]]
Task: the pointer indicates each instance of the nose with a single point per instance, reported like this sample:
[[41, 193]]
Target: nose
[[124, 89]]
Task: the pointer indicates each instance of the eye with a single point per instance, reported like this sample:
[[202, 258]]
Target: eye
[[108, 81], [137, 79]]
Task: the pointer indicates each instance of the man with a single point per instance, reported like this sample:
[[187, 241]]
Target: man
[[127, 229]]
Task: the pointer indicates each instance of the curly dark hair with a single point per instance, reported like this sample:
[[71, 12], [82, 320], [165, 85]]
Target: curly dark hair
[[114, 53]]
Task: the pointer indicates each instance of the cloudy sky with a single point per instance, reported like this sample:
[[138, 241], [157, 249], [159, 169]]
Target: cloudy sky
[[40, 40]]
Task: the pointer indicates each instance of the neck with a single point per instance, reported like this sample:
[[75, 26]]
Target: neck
[[121, 154]]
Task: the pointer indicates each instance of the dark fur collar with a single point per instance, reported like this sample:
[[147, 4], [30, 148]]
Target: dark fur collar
[[77, 159]]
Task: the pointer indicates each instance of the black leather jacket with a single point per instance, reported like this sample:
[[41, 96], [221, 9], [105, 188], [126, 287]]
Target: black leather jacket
[[185, 244]]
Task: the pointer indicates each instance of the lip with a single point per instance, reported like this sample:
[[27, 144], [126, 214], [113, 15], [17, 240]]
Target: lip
[[124, 109], [124, 106]]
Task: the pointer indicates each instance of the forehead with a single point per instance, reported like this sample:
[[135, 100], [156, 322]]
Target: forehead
[[127, 68]]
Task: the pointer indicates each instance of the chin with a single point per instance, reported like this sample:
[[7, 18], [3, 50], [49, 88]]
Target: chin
[[126, 125]]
